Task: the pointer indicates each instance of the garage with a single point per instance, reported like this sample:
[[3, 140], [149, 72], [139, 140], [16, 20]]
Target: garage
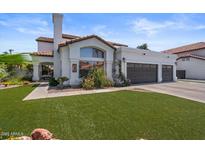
[[141, 73], [181, 74], [167, 73]]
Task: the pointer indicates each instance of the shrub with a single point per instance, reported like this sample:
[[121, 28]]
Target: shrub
[[53, 82], [13, 81], [88, 83], [3, 72], [121, 81], [26, 82], [15, 73], [108, 83], [100, 80], [61, 80], [96, 79]]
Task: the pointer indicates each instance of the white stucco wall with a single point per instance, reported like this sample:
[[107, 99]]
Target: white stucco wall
[[200, 52], [133, 55], [40, 59], [71, 55], [195, 68], [44, 46]]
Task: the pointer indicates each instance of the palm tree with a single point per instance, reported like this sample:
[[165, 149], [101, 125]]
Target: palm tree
[[14, 58], [10, 51]]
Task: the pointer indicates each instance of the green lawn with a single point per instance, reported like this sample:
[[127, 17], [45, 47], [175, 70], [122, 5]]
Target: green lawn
[[116, 115]]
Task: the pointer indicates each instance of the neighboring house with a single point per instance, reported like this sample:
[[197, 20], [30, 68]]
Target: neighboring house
[[190, 61], [73, 57]]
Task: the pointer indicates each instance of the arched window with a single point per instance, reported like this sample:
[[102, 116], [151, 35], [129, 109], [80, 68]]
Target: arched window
[[89, 52], [86, 65]]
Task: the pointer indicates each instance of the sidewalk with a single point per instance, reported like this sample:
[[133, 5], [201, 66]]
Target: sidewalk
[[42, 92], [191, 80]]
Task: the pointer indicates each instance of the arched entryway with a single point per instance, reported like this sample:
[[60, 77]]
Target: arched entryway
[[46, 70]]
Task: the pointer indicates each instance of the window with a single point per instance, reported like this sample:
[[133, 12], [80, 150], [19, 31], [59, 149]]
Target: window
[[86, 66], [91, 53], [187, 59], [47, 70]]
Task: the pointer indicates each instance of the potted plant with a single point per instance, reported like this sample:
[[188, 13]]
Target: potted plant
[[61, 80]]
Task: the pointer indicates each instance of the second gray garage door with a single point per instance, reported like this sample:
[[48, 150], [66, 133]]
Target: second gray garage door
[[167, 73], [141, 73]]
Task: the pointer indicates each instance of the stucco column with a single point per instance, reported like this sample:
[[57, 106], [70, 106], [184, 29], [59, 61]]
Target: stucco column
[[36, 73], [108, 65], [65, 64], [74, 76], [57, 39], [159, 74], [174, 72], [124, 68]]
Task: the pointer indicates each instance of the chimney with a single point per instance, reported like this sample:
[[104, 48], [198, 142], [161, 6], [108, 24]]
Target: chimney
[[57, 38]]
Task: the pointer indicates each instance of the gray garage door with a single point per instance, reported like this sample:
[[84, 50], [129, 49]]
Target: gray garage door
[[141, 73], [167, 73], [181, 74]]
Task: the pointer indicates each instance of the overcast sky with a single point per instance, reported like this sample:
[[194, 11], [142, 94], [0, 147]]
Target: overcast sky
[[160, 31]]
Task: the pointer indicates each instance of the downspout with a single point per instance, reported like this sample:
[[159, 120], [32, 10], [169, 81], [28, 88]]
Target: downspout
[[114, 63]]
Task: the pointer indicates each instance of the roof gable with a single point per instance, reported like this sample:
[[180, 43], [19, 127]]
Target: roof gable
[[192, 56], [186, 48], [50, 40], [43, 53], [74, 37], [86, 38]]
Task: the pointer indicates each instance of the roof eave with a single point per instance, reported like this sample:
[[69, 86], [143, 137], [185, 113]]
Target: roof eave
[[88, 37], [192, 56]]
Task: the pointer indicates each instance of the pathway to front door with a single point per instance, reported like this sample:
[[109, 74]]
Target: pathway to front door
[[189, 90]]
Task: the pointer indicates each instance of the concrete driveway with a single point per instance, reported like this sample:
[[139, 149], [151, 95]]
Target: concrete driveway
[[189, 90]]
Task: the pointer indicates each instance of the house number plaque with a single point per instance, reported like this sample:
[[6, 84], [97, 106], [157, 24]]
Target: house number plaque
[[74, 68]]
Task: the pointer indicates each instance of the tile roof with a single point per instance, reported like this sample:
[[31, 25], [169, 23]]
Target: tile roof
[[50, 40], [117, 44], [68, 36], [193, 56], [45, 39], [43, 53], [73, 39], [186, 48], [85, 38]]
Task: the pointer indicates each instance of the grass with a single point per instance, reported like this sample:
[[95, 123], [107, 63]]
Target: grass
[[116, 115]]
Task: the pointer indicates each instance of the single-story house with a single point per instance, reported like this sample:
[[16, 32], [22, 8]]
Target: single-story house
[[190, 61], [73, 56]]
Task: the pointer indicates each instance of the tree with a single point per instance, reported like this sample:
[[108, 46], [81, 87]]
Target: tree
[[5, 52], [3, 72], [10, 51], [13, 68], [143, 46], [14, 58]]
